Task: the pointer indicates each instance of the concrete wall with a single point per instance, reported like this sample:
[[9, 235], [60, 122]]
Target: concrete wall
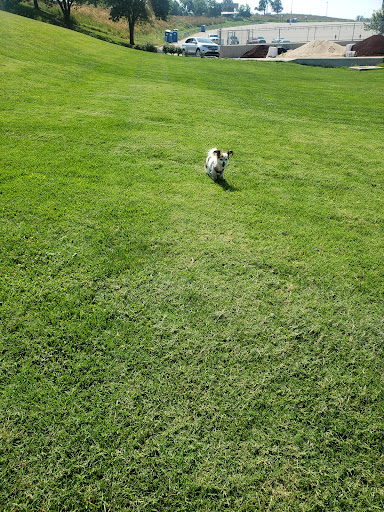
[[340, 62], [235, 51]]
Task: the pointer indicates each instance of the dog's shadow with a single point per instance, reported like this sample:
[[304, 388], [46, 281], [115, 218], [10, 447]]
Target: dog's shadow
[[223, 183]]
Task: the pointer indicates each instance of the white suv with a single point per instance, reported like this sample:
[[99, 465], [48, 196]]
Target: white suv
[[214, 38], [200, 46]]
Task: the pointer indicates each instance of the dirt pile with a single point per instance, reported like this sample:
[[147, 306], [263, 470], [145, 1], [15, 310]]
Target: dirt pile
[[370, 47], [316, 49], [258, 52]]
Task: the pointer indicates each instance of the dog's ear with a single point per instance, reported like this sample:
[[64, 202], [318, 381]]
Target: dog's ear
[[230, 152], [218, 152]]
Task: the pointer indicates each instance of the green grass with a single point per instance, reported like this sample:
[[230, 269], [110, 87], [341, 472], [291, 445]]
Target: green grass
[[172, 344]]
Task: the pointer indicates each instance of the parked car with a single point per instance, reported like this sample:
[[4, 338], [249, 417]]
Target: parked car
[[232, 40], [200, 46], [280, 40], [257, 40], [214, 38]]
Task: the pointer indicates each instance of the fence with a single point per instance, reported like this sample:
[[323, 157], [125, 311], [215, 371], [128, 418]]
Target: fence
[[295, 32]]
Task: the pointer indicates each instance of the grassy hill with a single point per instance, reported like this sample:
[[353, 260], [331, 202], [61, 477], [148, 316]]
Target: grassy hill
[[169, 343], [96, 22]]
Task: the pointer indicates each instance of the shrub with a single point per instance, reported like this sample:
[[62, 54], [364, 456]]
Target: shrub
[[169, 48], [172, 50], [149, 47]]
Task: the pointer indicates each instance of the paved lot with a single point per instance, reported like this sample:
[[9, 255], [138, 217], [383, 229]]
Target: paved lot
[[296, 32]]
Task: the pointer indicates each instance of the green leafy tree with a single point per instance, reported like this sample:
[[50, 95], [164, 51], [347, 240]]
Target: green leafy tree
[[161, 8], [200, 7], [187, 5], [227, 6], [214, 9], [263, 4], [377, 22], [176, 9], [11, 5], [245, 11], [65, 7], [8, 5], [276, 6], [134, 11]]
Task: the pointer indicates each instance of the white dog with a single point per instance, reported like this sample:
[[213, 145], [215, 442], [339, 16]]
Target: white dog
[[216, 162]]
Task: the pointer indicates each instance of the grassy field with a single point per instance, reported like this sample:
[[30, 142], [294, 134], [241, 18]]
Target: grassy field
[[172, 344]]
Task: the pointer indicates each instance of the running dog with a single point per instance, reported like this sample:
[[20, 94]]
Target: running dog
[[216, 162]]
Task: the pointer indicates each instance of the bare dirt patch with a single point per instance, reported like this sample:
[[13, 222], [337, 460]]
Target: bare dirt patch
[[259, 52], [370, 47]]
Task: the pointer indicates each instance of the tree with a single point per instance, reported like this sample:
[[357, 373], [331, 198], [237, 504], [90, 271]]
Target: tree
[[377, 22], [9, 5], [227, 6], [263, 4], [161, 8], [188, 6], [245, 11], [214, 9], [65, 6], [133, 10], [276, 6], [176, 9], [200, 7]]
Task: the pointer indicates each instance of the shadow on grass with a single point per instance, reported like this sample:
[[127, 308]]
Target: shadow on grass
[[226, 186], [28, 11]]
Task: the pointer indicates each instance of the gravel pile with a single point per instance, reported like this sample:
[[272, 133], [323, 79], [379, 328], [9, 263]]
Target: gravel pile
[[316, 49]]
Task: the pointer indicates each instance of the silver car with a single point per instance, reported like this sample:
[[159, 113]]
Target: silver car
[[280, 40], [200, 46]]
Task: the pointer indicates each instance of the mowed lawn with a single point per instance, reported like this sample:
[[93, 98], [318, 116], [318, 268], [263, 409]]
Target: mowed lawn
[[172, 344]]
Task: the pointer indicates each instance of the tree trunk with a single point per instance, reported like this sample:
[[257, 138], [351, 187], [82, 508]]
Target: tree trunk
[[65, 6], [131, 24], [67, 16], [36, 5]]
